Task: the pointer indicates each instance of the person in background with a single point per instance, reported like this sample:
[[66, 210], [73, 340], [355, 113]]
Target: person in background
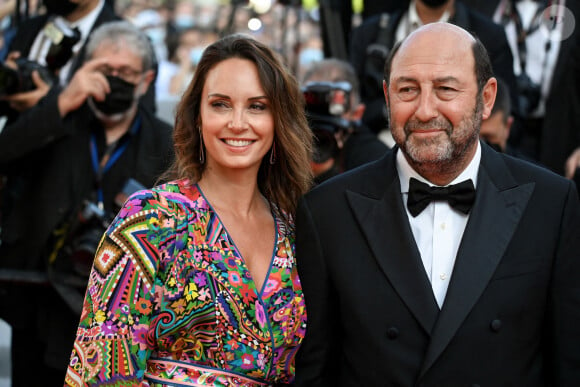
[[545, 41], [495, 130], [67, 174], [37, 43], [445, 263], [195, 281], [343, 141]]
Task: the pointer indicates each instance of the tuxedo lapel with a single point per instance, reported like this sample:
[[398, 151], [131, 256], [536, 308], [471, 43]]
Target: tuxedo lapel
[[383, 220], [499, 205]]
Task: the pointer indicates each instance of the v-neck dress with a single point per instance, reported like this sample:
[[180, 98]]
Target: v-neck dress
[[170, 301]]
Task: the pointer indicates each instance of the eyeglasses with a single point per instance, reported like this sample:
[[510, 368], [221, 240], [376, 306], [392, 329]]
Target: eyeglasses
[[126, 73]]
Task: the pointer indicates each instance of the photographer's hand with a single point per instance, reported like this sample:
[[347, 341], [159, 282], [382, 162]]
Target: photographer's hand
[[87, 82], [573, 163], [25, 100]]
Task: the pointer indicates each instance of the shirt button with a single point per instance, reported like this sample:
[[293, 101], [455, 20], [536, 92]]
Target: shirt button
[[495, 325], [392, 333], [442, 226], [443, 276]]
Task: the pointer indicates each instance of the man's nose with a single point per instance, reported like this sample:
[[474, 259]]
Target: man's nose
[[427, 108]]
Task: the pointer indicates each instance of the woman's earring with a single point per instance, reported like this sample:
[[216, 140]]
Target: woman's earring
[[273, 154], [201, 152]]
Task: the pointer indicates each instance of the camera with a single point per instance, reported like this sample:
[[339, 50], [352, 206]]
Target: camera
[[20, 79], [529, 94], [326, 102], [83, 244], [62, 40]]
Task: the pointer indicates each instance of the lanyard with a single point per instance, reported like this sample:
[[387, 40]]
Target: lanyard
[[112, 154]]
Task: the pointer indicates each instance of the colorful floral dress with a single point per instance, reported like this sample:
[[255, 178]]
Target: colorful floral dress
[[170, 301]]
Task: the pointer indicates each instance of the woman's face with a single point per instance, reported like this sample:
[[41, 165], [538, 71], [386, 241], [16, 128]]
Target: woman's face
[[237, 122]]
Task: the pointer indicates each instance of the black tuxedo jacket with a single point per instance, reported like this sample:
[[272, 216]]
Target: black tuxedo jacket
[[512, 310], [560, 131]]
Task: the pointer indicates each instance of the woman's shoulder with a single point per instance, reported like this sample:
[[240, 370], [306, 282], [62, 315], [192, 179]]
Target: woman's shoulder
[[177, 195]]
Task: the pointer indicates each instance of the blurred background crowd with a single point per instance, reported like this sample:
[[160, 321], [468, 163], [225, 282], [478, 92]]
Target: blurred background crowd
[[54, 137]]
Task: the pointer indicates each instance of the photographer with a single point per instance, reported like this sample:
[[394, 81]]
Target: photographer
[[67, 174], [333, 105], [54, 45]]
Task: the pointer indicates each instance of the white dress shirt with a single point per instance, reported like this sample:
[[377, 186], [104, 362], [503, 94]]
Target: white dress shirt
[[42, 43], [439, 228], [540, 62], [410, 21]]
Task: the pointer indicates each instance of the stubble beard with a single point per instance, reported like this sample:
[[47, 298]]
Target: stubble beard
[[444, 152]]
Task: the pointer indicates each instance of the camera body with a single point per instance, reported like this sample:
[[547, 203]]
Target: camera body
[[20, 79], [62, 40], [529, 94], [326, 103]]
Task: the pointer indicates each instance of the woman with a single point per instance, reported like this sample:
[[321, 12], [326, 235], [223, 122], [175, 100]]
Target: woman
[[195, 282]]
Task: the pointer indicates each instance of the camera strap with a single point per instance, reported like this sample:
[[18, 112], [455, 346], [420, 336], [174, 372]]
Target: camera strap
[[511, 13], [112, 153]]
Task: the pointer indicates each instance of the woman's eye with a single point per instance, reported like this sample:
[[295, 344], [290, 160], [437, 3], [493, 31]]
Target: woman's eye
[[258, 106], [219, 104]]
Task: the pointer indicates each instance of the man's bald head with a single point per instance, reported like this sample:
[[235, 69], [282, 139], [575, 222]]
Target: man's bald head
[[445, 36]]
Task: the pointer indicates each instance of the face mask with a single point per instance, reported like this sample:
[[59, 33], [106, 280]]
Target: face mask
[[184, 21], [157, 35], [119, 100], [434, 3], [195, 55], [60, 7], [310, 55]]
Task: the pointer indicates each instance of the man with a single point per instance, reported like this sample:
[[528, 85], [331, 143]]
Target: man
[[373, 39], [55, 40], [351, 142], [448, 296], [495, 130], [67, 175], [545, 42]]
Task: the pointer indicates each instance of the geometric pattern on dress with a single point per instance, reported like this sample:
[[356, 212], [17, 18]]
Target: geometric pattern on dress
[[131, 237], [170, 287]]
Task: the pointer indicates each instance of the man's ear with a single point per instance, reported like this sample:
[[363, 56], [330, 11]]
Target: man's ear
[[488, 95], [147, 79], [386, 92]]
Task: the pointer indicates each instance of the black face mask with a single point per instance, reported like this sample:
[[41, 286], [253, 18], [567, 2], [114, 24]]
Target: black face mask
[[60, 7], [434, 3], [120, 99]]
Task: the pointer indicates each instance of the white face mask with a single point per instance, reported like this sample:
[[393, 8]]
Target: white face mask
[[195, 54], [310, 55], [156, 34]]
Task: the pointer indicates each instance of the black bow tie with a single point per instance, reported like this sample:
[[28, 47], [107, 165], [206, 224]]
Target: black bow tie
[[460, 196]]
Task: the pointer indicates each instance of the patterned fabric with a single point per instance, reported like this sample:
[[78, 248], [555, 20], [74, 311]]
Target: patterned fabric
[[171, 301]]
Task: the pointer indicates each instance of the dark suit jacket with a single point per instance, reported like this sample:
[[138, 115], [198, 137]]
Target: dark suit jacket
[[491, 35], [48, 165], [512, 310], [560, 132], [29, 29]]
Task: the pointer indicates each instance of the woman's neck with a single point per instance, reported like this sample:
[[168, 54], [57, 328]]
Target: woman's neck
[[237, 194]]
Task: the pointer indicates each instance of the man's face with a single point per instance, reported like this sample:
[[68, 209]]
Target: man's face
[[496, 129], [435, 109]]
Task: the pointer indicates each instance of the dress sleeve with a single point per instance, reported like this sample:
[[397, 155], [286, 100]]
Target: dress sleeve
[[114, 339]]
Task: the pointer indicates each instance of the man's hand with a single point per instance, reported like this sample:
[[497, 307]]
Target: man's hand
[[87, 82], [25, 100], [573, 163]]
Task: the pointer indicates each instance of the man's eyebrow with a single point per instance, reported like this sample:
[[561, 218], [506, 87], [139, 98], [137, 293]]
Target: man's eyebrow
[[404, 79], [447, 79]]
